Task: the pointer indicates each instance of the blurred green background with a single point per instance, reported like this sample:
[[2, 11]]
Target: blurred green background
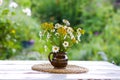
[[20, 25]]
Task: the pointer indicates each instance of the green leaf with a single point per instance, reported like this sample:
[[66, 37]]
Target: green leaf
[[5, 11], [13, 13]]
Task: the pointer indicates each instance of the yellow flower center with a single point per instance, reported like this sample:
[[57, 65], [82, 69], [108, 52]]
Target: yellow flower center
[[55, 48], [65, 43]]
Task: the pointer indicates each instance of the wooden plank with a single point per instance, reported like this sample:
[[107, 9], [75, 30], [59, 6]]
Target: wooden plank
[[22, 70], [28, 66], [37, 72], [57, 76]]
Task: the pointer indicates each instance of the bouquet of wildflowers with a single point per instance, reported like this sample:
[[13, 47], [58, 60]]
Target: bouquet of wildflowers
[[60, 36]]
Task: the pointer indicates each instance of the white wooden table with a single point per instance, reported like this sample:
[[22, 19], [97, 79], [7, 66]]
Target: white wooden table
[[22, 70]]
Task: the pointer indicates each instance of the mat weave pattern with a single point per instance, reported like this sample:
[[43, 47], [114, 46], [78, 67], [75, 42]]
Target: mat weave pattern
[[68, 70]]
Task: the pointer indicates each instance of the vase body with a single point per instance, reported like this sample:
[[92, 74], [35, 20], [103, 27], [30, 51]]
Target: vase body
[[58, 60]]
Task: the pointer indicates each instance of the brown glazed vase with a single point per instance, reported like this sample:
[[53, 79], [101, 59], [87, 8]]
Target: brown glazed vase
[[59, 60]]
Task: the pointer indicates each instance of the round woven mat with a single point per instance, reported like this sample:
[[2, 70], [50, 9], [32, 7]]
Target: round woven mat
[[68, 70]]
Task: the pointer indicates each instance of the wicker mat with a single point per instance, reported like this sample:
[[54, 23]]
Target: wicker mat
[[68, 70]]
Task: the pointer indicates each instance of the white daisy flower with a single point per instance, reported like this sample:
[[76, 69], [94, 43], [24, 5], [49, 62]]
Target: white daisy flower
[[55, 49], [65, 27], [57, 25], [27, 11], [78, 30], [1, 1], [69, 30], [13, 5], [65, 44], [57, 34], [53, 30], [78, 37], [66, 22], [72, 36]]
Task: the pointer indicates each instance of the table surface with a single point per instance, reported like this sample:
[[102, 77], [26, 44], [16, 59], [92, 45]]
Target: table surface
[[22, 70]]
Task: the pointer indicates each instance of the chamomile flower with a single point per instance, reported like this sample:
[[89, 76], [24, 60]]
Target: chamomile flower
[[13, 5], [53, 30], [72, 36], [69, 30], [57, 34], [1, 1], [66, 22], [80, 31], [65, 27], [55, 49], [57, 25], [78, 37], [63, 36], [65, 44]]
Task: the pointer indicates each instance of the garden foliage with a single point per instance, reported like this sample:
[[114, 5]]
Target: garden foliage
[[98, 18], [17, 30]]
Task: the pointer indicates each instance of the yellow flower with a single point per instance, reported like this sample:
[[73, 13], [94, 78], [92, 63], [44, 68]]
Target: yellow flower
[[51, 26], [62, 31], [82, 31], [79, 30], [13, 31], [74, 40], [47, 26], [63, 36]]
